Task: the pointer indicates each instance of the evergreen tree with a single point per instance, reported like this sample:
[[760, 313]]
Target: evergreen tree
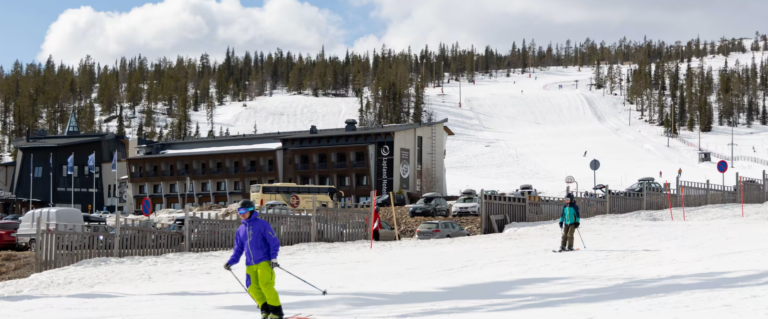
[[226, 133], [221, 131], [197, 130], [140, 130]]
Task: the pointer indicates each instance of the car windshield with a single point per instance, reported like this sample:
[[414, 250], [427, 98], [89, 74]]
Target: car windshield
[[9, 226], [428, 226], [464, 200], [426, 200]]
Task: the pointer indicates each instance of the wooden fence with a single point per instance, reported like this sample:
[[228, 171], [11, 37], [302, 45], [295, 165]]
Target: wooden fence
[[58, 247], [497, 211]]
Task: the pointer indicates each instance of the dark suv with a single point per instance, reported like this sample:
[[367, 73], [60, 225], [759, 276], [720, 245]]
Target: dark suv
[[648, 182], [431, 204]]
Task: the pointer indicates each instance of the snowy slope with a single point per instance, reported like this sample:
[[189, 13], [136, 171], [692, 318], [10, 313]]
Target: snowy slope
[[639, 265], [521, 130]]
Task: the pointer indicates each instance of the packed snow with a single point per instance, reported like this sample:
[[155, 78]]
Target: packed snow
[[638, 265], [263, 146]]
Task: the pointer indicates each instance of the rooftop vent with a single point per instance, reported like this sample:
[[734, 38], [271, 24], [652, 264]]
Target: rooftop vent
[[351, 125], [313, 130]]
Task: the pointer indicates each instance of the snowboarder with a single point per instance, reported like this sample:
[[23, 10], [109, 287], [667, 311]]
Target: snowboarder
[[585, 153], [569, 221], [259, 240], [679, 172]]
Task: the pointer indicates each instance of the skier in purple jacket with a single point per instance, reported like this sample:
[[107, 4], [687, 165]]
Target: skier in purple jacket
[[259, 242]]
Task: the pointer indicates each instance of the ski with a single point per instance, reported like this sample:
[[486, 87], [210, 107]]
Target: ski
[[298, 316], [565, 251]]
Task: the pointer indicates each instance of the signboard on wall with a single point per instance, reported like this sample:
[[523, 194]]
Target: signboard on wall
[[384, 170], [123, 192], [405, 168]]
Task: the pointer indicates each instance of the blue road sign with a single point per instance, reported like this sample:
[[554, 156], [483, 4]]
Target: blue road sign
[[722, 166], [146, 206]]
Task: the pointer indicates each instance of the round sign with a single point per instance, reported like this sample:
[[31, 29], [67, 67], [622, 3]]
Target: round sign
[[569, 180], [594, 164], [722, 166], [294, 201], [405, 169], [385, 150], [146, 206]]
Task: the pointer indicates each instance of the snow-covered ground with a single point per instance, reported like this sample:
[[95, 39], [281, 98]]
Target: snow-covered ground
[[638, 265], [525, 130]]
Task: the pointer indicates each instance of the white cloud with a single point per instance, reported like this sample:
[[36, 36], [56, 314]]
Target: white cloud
[[499, 22], [190, 28]]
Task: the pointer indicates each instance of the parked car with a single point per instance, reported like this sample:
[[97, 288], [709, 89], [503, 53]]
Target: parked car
[[104, 214], [275, 207], [384, 200], [91, 219], [63, 218], [8, 230], [440, 229], [12, 217], [386, 233], [491, 192], [649, 182], [466, 205], [526, 190], [431, 204], [468, 192]]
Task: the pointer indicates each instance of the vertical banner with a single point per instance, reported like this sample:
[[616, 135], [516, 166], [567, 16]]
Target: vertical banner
[[405, 169], [384, 169]]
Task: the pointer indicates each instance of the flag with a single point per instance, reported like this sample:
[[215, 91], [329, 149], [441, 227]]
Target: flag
[[50, 161], [92, 162], [376, 220], [71, 164], [114, 162]]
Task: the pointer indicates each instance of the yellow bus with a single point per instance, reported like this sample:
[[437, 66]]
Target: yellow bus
[[295, 196]]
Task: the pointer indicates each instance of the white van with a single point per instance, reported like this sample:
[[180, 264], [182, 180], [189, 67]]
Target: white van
[[70, 219]]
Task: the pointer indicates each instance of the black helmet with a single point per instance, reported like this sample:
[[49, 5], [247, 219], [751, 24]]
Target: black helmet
[[569, 196], [247, 203]]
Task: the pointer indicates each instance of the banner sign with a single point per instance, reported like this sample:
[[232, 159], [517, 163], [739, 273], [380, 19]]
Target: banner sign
[[384, 169], [405, 168]]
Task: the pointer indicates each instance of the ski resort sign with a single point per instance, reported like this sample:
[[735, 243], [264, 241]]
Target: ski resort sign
[[384, 167], [405, 168]]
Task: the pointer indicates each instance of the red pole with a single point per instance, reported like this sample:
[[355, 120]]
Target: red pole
[[682, 194], [741, 183], [669, 198], [373, 202]]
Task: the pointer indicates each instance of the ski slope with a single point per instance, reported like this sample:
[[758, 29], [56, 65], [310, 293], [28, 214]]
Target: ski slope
[[525, 130], [638, 265]]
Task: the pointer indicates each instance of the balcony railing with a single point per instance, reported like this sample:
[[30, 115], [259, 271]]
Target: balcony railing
[[321, 165], [301, 167], [358, 164], [152, 174], [250, 169], [167, 173], [233, 170], [182, 172], [136, 175], [214, 171], [270, 168], [340, 165], [199, 171]]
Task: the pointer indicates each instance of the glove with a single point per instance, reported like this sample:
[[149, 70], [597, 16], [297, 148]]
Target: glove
[[274, 264], [561, 224], [227, 266], [577, 224]]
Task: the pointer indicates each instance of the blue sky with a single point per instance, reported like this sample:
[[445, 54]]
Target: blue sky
[[30, 20], [192, 27]]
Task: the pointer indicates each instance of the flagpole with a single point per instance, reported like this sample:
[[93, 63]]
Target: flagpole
[[50, 162], [115, 191], [31, 180], [94, 182], [73, 180]]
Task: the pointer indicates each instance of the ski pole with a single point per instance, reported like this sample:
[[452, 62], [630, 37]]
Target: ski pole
[[241, 285], [582, 239], [297, 277]]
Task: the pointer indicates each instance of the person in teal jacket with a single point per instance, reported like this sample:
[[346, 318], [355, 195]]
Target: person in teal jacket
[[569, 219]]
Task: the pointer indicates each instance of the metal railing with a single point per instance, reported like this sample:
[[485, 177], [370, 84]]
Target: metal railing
[[340, 165], [360, 164], [321, 166], [268, 168], [302, 167]]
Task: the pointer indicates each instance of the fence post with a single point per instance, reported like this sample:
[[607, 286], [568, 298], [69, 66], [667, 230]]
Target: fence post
[[607, 200], [117, 235], [706, 200], [482, 211], [677, 189], [38, 240], [187, 240], [736, 189], [313, 227], [645, 197], [763, 188]]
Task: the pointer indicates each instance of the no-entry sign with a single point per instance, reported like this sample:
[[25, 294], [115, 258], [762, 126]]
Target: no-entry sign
[[722, 166]]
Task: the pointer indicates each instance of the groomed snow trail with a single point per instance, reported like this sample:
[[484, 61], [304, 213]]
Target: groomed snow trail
[[638, 265]]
